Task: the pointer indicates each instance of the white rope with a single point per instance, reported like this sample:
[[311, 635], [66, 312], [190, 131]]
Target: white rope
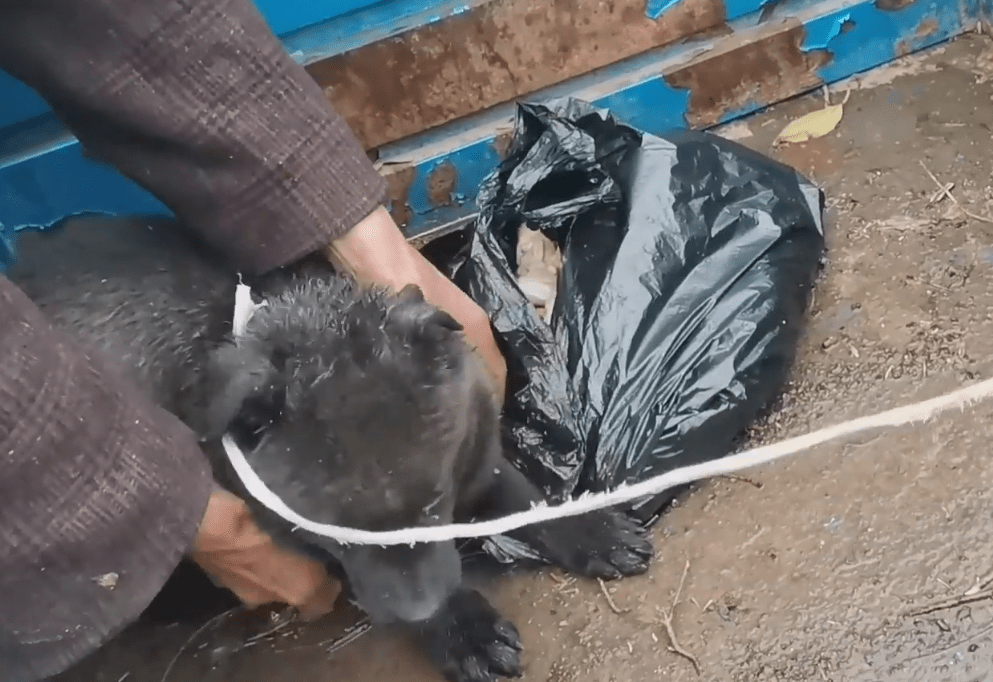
[[908, 414], [244, 308]]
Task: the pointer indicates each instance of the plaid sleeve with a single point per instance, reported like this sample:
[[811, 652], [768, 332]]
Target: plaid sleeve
[[101, 493], [198, 102]]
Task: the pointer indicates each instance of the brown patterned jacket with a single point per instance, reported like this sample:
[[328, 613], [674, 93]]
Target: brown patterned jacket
[[199, 103]]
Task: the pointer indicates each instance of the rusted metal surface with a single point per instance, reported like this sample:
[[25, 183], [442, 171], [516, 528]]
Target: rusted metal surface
[[746, 73], [490, 55], [501, 143], [441, 184], [893, 5], [926, 28], [399, 179]]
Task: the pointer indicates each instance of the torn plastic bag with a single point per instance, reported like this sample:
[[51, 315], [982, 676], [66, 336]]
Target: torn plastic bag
[[688, 261]]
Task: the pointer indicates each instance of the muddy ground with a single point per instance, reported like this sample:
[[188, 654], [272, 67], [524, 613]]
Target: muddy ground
[[813, 575]]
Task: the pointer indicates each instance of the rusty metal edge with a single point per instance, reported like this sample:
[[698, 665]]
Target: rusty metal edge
[[390, 89]]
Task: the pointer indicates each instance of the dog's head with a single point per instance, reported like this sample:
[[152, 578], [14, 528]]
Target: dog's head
[[356, 407]]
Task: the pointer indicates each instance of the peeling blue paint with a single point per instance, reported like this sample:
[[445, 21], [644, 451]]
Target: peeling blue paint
[[733, 9], [655, 8], [284, 16], [377, 22], [351, 18], [820, 32], [653, 107], [877, 34], [36, 192], [35, 163]]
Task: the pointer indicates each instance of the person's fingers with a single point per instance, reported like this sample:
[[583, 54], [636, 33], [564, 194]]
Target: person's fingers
[[375, 251], [322, 601], [263, 575], [443, 293], [238, 555], [301, 582], [480, 336]]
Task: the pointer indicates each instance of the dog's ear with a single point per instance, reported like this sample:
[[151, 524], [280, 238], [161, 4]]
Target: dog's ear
[[414, 317], [245, 393], [411, 293]]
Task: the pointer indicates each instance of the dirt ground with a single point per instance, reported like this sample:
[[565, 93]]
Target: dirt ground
[[815, 574]]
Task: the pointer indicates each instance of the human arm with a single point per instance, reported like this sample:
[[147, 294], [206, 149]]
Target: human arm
[[101, 494], [199, 103]]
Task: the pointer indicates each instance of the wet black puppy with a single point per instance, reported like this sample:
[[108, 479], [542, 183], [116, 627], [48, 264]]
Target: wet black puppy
[[357, 407]]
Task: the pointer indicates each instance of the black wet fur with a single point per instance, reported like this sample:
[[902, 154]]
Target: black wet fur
[[357, 407]]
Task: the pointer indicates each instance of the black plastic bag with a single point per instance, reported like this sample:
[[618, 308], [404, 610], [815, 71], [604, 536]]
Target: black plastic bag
[[688, 261]]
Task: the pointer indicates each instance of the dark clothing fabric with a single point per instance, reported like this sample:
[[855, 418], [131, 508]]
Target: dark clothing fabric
[[100, 491]]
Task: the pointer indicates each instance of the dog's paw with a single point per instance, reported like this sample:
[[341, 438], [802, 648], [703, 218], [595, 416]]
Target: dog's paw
[[602, 544], [471, 642]]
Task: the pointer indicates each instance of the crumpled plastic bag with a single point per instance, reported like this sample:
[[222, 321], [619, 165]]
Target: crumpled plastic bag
[[688, 262]]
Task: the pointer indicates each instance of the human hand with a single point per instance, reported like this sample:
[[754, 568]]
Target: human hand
[[376, 252], [237, 555]]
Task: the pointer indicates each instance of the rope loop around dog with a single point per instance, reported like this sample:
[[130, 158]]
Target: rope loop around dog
[[909, 414]]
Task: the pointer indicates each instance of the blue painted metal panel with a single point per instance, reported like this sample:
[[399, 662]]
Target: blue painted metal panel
[[733, 9], [61, 183], [371, 25], [874, 37], [34, 190], [18, 102], [878, 33], [309, 29], [285, 16], [354, 18]]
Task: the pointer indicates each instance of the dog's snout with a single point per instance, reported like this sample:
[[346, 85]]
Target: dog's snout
[[404, 584]]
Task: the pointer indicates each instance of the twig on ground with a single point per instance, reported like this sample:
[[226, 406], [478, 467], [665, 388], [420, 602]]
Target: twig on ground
[[336, 643], [610, 600], [674, 645], [980, 591], [564, 585], [199, 631], [274, 629], [943, 191], [981, 584], [946, 190], [742, 479], [352, 634], [952, 603]]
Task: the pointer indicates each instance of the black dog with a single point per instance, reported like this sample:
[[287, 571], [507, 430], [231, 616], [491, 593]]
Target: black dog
[[357, 407]]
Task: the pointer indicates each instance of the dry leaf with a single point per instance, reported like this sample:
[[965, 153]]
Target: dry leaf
[[815, 124]]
